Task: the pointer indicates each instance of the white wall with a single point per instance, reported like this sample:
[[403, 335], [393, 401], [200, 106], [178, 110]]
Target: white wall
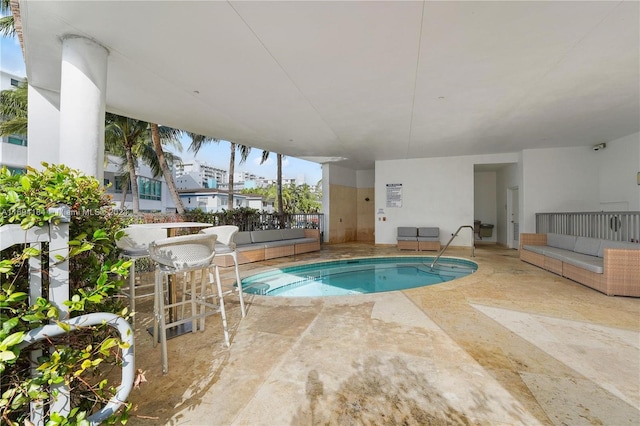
[[44, 127], [365, 178], [436, 192], [558, 180], [580, 179], [618, 165], [485, 201], [440, 191], [5, 80], [336, 175], [166, 204], [13, 155]]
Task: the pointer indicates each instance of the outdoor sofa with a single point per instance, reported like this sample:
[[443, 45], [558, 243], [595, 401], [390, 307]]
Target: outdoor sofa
[[418, 238], [254, 246], [611, 267]]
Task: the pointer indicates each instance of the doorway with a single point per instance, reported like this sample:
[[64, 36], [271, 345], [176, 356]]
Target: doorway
[[513, 214]]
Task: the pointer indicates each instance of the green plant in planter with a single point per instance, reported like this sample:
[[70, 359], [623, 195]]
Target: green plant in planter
[[241, 217], [80, 359]]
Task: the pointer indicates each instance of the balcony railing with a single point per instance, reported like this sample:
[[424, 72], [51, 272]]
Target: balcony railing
[[616, 226]]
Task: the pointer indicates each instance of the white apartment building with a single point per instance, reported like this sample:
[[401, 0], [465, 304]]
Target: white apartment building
[[237, 185], [205, 175], [244, 176], [153, 192], [214, 200], [13, 148], [195, 174]]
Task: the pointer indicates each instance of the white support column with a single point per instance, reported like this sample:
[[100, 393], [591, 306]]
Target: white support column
[[326, 200], [44, 127], [82, 105]]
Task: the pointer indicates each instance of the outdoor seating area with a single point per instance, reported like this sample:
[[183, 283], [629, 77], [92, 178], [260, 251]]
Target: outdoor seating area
[[186, 261], [494, 339], [193, 261], [611, 267], [254, 246], [418, 238]]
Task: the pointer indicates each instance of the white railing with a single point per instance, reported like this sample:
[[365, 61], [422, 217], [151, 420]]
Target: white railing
[[616, 226], [57, 236]]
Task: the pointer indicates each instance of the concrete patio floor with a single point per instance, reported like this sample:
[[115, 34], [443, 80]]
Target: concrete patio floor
[[509, 345]]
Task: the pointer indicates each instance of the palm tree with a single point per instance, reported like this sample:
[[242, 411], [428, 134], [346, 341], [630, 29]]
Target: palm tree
[[126, 133], [156, 137], [131, 140], [244, 154], [279, 183], [13, 110], [198, 141], [279, 157]]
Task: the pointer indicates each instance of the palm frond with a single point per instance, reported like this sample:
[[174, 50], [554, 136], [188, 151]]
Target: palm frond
[[265, 157], [7, 27], [244, 152], [170, 137], [7, 23], [15, 126], [146, 153], [198, 141], [13, 102], [13, 110]]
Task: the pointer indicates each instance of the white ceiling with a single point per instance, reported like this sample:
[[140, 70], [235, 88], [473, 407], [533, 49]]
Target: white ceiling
[[363, 81]]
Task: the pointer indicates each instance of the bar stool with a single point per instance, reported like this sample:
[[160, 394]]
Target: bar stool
[[225, 246], [134, 245], [187, 255]]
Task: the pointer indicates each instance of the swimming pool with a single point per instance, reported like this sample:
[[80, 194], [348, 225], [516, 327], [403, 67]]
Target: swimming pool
[[357, 276]]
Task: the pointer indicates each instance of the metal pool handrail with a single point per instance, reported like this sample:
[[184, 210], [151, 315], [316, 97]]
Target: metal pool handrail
[[473, 244]]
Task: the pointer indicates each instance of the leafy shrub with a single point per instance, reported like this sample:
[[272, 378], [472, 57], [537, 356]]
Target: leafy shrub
[[243, 217], [80, 359]]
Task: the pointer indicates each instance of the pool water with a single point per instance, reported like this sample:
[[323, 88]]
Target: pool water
[[357, 276]]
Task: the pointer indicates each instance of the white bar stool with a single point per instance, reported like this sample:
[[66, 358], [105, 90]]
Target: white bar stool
[[134, 245], [186, 255], [225, 246]]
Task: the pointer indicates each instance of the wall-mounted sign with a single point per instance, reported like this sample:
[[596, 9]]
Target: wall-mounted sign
[[394, 195]]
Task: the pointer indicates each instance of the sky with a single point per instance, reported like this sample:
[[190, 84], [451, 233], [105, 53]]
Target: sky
[[11, 59], [217, 155]]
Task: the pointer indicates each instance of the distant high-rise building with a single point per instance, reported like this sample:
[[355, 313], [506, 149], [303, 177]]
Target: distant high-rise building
[[205, 175], [244, 176], [194, 174]]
